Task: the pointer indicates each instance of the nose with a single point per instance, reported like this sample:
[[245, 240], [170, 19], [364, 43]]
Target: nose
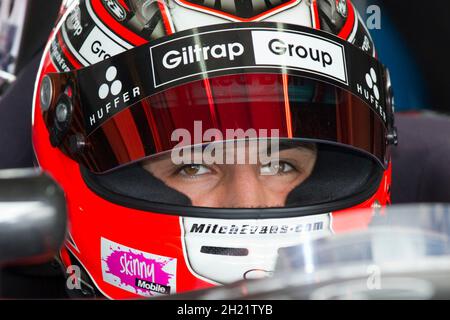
[[244, 189]]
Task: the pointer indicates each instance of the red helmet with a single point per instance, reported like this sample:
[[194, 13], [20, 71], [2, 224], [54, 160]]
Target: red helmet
[[125, 84]]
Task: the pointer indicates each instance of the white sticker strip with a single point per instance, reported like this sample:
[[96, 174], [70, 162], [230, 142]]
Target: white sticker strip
[[300, 51], [98, 47], [105, 29]]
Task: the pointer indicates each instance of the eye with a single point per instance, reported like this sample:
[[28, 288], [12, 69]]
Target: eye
[[276, 168], [194, 170]]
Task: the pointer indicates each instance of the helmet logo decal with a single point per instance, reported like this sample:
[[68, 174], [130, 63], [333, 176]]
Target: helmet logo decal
[[196, 54], [243, 10], [136, 271], [183, 57], [370, 91], [115, 9], [258, 229], [341, 8], [114, 87], [74, 22], [366, 44], [371, 80]]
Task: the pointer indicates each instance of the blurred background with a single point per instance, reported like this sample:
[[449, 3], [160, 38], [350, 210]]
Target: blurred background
[[411, 40], [24, 28]]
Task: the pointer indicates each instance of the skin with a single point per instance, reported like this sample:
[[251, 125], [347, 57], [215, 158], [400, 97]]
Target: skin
[[237, 185]]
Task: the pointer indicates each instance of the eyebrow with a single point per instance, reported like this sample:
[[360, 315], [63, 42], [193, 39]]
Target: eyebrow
[[284, 145]]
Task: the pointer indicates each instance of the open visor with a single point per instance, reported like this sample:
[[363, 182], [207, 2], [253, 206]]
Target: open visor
[[220, 78]]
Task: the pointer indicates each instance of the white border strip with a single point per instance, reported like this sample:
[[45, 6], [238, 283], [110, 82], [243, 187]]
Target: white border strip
[[351, 38], [313, 15], [168, 15]]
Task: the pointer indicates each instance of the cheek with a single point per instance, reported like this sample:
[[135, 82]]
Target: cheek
[[212, 198], [283, 184], [198, 190]]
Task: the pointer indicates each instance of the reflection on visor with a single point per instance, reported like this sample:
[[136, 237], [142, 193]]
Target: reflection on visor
[[261, 104]]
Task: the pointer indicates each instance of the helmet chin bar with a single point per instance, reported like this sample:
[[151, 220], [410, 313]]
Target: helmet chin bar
[[245, 249]]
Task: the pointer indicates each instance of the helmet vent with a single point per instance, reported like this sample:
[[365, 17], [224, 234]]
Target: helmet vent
[[220, 251]]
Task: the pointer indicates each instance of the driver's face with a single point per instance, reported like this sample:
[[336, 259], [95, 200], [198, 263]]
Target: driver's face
[[237, 185]]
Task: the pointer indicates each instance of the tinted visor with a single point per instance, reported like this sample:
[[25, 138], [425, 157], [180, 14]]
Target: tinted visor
[[258, 79], [298, 108]]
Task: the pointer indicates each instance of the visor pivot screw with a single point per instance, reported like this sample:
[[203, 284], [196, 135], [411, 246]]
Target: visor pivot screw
[[46, 93], [76, 144], [62, 113], [392, 137], [62, 119]]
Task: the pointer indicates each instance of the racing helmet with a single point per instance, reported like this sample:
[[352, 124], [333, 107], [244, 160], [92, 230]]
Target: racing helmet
[[130, 91]]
